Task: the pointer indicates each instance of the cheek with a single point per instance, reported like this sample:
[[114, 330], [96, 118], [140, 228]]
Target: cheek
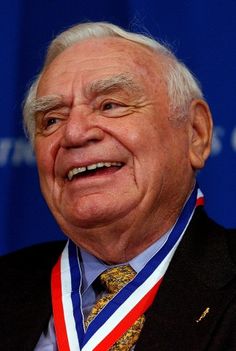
[[45, 159], [147, 149], [136, 134], [45, 156], [159, 151]]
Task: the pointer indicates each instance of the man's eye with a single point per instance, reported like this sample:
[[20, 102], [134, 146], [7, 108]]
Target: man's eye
[[109, 106], [50, 121], [113, 108]]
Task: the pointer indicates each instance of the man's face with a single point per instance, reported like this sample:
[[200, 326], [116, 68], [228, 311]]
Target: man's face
[[105, 147]]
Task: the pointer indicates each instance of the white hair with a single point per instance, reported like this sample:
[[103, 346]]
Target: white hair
[[182, 86]]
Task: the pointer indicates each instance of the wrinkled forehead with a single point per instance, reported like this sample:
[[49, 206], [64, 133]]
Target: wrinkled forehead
[[107, 54]]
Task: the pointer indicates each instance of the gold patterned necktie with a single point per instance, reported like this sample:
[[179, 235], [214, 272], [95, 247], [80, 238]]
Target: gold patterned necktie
[[114, 279]]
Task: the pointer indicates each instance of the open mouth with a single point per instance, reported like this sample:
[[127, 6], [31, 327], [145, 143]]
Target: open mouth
[[99, 168]]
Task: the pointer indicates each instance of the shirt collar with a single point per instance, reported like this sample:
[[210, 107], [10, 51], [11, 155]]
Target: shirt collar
[[92, 267]]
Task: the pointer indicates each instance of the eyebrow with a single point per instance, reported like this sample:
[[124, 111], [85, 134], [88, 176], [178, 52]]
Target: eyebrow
[[122, 81], [46, 103]]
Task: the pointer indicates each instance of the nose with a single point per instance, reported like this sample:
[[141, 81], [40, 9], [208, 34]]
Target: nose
[[81, 129]]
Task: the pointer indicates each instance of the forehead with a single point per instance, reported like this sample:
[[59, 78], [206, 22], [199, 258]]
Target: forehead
[[99, 57]]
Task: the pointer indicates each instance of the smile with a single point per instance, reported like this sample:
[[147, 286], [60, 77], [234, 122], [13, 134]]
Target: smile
[[92, 167]]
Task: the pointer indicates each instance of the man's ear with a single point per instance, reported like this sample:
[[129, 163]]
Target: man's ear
[[200, 133]]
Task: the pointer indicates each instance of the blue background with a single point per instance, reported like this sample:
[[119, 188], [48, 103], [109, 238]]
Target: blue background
[[202, 33]]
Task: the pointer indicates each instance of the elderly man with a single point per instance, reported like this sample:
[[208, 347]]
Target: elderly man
[[119, 128]]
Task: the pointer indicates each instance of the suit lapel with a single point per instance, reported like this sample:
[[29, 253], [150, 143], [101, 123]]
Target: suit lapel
[[193, 295]]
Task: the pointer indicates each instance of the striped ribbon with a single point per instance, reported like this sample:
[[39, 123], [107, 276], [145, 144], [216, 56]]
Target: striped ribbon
[[125, 308]]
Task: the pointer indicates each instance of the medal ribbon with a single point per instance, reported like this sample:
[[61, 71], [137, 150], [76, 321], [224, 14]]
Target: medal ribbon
[[125, 308]]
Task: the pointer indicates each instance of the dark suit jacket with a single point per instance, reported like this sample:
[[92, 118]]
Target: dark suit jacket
[[201, 277]]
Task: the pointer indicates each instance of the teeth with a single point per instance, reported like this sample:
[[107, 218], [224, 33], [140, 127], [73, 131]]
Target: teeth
[[93, 166], [90, 167], [76, 171]]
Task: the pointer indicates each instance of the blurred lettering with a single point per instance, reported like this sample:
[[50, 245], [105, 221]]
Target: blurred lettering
[[217, 140], [15, 152], [233, 139]]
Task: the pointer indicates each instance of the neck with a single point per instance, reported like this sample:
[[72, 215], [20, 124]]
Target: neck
[[124, 239]]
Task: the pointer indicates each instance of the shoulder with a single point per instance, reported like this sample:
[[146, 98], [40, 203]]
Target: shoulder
[[25, 277], [29, 268], [231, 239], [28, 260], [209, 249], [223, 237], [212, 233]]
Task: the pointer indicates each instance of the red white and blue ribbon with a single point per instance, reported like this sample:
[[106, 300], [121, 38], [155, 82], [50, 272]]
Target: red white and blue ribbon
[[125, 308]]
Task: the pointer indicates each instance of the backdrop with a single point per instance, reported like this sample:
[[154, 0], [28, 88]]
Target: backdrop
[[203, 35]]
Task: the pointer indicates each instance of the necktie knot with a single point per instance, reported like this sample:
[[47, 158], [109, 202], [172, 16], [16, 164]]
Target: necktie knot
[[114, 279]]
